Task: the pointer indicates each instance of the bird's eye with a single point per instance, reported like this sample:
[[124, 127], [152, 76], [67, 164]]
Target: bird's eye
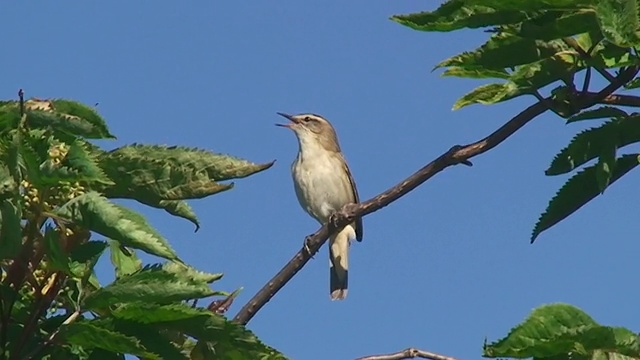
[[306, 119]]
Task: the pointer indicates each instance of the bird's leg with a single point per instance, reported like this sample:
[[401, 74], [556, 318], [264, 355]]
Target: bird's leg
[[305, 245]]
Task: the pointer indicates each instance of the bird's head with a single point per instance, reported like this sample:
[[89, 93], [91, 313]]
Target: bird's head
[[312, 130]]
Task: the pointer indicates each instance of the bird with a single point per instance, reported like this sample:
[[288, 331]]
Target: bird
[[323, 185]]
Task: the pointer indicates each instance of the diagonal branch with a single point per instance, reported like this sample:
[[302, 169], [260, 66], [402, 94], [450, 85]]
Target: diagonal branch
[[456, 155]]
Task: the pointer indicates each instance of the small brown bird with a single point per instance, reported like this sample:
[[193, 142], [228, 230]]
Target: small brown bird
[[323, 185]]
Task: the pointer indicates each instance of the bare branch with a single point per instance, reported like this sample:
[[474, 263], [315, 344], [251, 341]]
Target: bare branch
[[410, 353], [456, 155]]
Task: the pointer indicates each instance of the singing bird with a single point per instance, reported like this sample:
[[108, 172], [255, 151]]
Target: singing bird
[[323, 185]]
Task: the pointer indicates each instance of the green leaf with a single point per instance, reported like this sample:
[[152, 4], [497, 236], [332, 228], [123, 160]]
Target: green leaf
[[152, 339], [88, 114], [228, 339], [10, 230], [58, 260], [124, 260], [553, 25], [456, 14], [178, 208], [66, 116], [578, 191], [590, 143], [533, 5], [150, 174], [475, 73], [8, 185], [151, 284], [188, 273], [83, 259], [90, 335], [506, 50], [606, 162], [149, 313], [633, 84], [598, 113], [541, 73], [562, 331], [619, 21], [488, 94], [98, 214]]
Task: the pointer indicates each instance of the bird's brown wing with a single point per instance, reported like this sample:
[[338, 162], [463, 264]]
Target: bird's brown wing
[[356, 198]]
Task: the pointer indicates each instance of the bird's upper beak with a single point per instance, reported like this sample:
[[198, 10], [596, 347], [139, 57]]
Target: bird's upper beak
[[289, 117]]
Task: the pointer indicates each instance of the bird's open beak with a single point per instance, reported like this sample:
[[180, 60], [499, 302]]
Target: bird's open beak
[[289, 117]]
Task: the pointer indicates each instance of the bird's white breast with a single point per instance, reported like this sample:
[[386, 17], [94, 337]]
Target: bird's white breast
[[321, 183]]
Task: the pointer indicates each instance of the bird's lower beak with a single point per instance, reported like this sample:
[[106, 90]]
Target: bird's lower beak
[[288, 117]]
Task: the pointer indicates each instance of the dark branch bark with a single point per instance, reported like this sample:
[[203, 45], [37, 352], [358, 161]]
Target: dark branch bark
[[409, 353], [456, 155]]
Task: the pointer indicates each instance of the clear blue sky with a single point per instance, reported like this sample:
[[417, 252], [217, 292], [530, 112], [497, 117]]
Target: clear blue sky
[[440, 269]]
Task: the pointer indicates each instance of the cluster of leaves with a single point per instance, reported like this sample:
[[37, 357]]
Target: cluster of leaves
[[539, 45], [561, 331], [57, 219]]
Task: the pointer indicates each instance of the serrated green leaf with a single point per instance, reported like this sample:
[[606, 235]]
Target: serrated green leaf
[[506, 50], [10, 230], [151, 284], [58, 260], [98, 214], [577, 191], [88, 334], [125, 261], [456, 14], [477, 73], [99, 129], [541, 73], [488, 94], [533, 5], [619, 22], [83, 258], [150, 174], [179, 208], [590, 143], [553, 25], [228, 339], [556, 330], [189, 273], [606, 162], [544, 325], [598, 113], [152, 339], [148, 313]]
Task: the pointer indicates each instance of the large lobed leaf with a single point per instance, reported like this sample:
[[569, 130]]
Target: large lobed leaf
[[594, 142], [63, 116], [578, 191], [152, 284], [564, 331], [619, 21], [150, 174], [96, 213]]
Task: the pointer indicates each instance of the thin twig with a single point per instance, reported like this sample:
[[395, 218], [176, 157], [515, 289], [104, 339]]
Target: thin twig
[[453, 156], [51, 338], [410, 353]]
